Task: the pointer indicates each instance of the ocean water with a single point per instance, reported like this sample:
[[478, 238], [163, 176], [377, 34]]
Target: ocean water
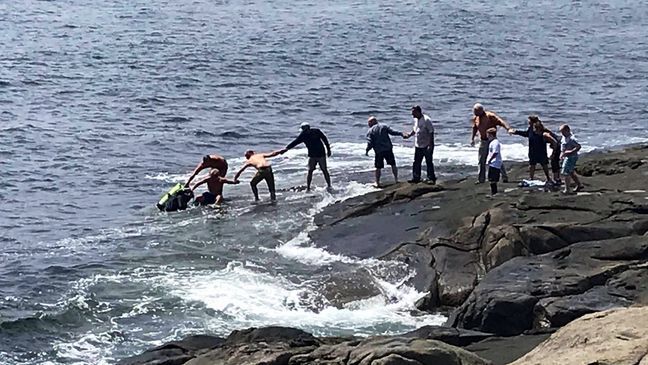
[[105, 105]]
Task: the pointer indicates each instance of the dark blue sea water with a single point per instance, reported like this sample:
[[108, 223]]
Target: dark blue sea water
[[106, 104]]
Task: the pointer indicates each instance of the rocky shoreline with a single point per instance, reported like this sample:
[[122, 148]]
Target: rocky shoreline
[[528, 275]]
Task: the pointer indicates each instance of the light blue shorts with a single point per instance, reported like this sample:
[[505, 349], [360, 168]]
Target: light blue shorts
[[569, 165]]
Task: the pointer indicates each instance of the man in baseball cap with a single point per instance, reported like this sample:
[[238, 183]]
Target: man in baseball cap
[[315, 141]]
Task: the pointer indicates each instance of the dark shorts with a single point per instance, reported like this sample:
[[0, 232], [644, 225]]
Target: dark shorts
[[208, 198], [493, 174], [314, 161], [381, 157]]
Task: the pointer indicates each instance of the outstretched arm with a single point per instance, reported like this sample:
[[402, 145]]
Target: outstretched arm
[[273, 153], [241, 171], [198, 168], [520, 133], [200, 182], [394, 132], [294, 143], [227, 181], [500, 121]]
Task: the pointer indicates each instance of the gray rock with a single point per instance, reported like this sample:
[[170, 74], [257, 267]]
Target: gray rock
[[292, 337], [555, 288], [392, 350], [451, 336], [176, 352]]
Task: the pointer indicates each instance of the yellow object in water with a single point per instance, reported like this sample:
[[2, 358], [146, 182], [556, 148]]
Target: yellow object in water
[[163, 200]]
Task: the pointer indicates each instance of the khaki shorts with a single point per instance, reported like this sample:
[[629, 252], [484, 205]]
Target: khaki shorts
[[314, 161]]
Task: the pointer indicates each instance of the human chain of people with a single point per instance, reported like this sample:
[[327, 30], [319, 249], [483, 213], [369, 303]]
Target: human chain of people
[[485, 123]]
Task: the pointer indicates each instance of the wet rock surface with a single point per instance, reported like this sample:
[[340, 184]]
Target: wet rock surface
[[283, 346]]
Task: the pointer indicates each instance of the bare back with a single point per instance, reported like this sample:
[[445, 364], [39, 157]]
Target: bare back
[[258, 161], [216, 162], [485, 122]]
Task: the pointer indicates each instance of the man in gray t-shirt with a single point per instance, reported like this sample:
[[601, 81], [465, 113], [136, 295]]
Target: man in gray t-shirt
[[378, 140]]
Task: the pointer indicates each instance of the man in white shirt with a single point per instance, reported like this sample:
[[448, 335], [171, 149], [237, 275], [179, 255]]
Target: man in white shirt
[[423, 145]]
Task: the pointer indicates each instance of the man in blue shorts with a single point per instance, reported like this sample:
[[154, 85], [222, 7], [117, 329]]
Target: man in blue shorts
[[569, 148], [378, 140]]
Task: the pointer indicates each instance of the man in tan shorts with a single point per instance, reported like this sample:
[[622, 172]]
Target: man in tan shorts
[[315, 141], [264, 171], [481, 122]]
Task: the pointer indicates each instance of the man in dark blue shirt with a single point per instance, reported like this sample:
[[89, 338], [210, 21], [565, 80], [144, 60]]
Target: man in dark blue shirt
[[315, 141], [378, 140]]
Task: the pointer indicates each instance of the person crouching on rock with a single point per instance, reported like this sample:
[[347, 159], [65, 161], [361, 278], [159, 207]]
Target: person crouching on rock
[[569, 155], [378, 140], [264, 171], [214, 193], [209, 161], [494, 159]]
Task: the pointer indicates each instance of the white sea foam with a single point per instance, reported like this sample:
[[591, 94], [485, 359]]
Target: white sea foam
[[351, 156], [255, 298], [88, 349], [165, 176], [300, 249]]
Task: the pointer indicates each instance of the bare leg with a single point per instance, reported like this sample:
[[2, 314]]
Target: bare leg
[[327, 177], [532, 171], [576, 180], [395, 172], [545, 168], [568, 183], [504, 174], [309, 178], [219, 199], [378, 172]]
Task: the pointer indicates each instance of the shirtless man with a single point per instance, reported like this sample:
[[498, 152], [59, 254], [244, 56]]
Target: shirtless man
[[214, 193], [264, 171], [210, 161], [482, 121]]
